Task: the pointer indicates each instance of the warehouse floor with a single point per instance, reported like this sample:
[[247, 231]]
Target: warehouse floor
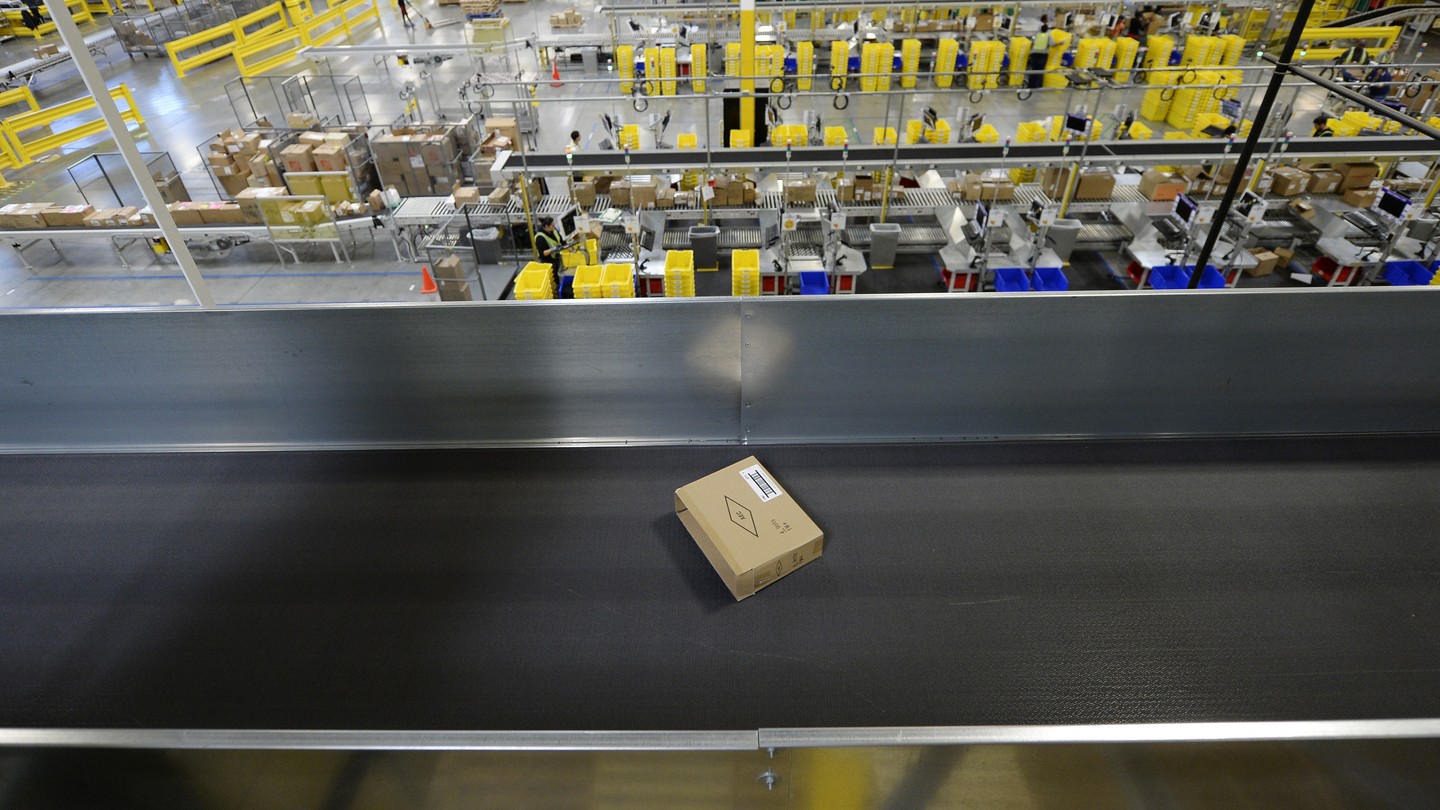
[[182, 115]]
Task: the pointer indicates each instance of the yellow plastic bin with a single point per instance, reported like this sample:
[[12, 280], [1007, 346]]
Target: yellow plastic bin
[[535, 282]]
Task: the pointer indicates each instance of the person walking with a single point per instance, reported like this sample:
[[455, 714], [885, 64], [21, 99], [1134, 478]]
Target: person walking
[[405, 14], [1039, 56]]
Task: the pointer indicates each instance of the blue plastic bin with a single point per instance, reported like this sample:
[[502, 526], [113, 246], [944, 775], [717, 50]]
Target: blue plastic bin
[[1011, 279], [1211, 279], [792, 65], [852, 64], [1408, 274], [1049, 279], [1169, 277], [814, 282]]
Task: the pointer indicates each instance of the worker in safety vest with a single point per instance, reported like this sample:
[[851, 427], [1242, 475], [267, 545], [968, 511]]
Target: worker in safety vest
[[1039, 56], [548, 242]]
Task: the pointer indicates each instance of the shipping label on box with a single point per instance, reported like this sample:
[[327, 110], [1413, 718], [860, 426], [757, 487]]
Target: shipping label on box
[[748, 526]]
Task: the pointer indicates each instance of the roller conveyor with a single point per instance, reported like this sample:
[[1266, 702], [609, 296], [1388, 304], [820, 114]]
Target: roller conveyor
[[1103, 233], [1061, 582]]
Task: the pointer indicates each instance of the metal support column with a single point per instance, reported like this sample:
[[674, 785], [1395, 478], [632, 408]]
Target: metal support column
[[95, 83], [747, 69], [1262, 116]]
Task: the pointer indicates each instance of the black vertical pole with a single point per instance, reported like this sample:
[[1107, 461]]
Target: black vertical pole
[[1262, 116]]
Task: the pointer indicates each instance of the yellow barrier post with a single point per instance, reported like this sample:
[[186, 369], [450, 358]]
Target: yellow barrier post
[[25, 151]]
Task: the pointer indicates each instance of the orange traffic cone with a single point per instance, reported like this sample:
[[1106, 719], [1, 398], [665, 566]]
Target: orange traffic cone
[[428, 286], [555, 75]]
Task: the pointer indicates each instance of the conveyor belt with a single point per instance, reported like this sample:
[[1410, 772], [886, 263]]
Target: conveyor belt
[[1103, 233], [1060, 582]]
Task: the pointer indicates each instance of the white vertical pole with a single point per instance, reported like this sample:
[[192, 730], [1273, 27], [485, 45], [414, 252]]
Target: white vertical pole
[[95, 83]]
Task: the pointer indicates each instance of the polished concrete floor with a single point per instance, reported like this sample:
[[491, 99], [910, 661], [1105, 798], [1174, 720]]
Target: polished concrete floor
[[181, 115]]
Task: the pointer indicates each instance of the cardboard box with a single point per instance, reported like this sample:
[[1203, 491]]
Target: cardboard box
[[220, 213], [1324, 181], [1267, 262], [249, 202], [665, 197], [1161, 186], [620, 194], [376, 200], [642, 195], [312, 139], [100, 218], [799, 191], [467, 195], [329, 158], [1359, 197], [978, 187], [1303, 208], [234, 183], [749, 528], [1094, 184], [1357, 175], [1289, 181], [451, 290], [499, 196], [66, 216], [584, 194], [42, 51], [449, 268], [302, 120], [297, 158], [1284, 256], [186, 213]]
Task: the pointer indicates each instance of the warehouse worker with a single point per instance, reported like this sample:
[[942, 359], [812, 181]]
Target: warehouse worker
[[1378, 82], [1322, 127], [1039, 56], [405, 14], [573, 148], [548, 242]]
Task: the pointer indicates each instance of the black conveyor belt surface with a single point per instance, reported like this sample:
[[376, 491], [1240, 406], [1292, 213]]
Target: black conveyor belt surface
[[549, 589]]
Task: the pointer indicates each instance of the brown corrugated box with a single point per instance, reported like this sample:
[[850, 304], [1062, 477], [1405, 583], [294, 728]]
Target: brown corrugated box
[[1289, 181], [297, 158], [452, 290], [1324, 181], [220, 213], [1357, 175], [1303, 208], [302, 120], [642, 194], [66, 216], [750, 529], [1267, 262], [1161, 186], [449, 267], [185, 213], [329, 158], [799, 191], [979, 186], [1359, 197], [620, 193], [584, 194]]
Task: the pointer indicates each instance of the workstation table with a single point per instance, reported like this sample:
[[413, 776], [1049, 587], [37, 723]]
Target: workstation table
[[1164, 581]]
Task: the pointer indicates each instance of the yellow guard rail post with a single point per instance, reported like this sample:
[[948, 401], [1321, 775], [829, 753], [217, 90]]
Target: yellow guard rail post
[[25, 151]]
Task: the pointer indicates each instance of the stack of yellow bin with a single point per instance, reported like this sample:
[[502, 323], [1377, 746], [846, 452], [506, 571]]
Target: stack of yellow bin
[[625, 64], [535, 282], [1125, 51], [804, 65], [1231, 48], [630, 136], [883, 136], [1157, 52], [985, 61], [909, 62], [618, 281], [667, 71], [1028, 132], [652, 71], [1019, 58], [587, 281], [1189, 102], [745, 272], [839, 63], [680, 274], [741, 138], [1155, 105], [946, 52], [836, 136], [940, 133], [1054, 76], [788, 135], [1200, 51], [732, 59], [698, 67]]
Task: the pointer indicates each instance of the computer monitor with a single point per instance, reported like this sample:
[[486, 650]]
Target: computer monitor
[[1186, 209], [1078, 124], [1175, 19], [647, 239], [982, 217], [1247, 203], [1036, 209], [1392, 203]]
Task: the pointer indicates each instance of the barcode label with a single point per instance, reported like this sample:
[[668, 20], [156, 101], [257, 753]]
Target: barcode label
[[765, 487]]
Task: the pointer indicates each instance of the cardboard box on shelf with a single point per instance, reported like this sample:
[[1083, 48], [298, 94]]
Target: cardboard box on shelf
[[220, 159], [845, 190], [980, 186], [312, 138], [66, 216], [185, 214], [1303, 208], [1267, 262], [100, 218], [800, 191], [620, 193], [505, 126], [247, 144], [499, 196], [235, 183], [449, 267], [1324, 181], [297, 158], [221, 213], [1289, 181], [1161, 186], [1359, 197], [665, 197], [583, 193], [748, 526], [642, 195], [1357, 175], [330, 158]]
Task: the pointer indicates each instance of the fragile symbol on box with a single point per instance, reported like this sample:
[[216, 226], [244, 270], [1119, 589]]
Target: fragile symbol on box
[[741, 516]]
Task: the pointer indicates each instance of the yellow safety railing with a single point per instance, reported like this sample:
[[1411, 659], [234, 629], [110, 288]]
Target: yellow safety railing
[[100, 6], [259, 55], [224, 39], [18, 95], [79, 11], [1385, 34], [25, 151]]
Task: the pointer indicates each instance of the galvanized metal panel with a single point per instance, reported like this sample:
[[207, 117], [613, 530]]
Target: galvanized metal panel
[[647, 371], [1122, 364]]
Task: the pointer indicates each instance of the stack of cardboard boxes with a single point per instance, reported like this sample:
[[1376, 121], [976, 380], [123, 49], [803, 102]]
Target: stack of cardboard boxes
[[732, 189], [418, 164], [452, 279], [1160, 185], [241, 160], [1093, 184], [566, 19], [205, 213], [133, 36], [986, 186], [479, 8]]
